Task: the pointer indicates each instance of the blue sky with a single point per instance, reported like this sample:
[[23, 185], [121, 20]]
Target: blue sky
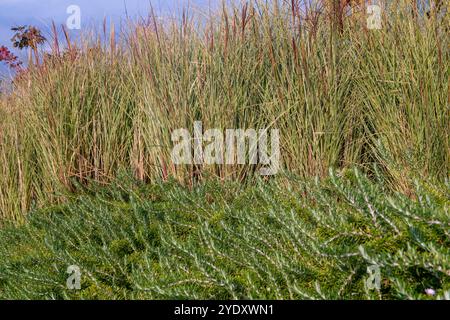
[[41, 13]]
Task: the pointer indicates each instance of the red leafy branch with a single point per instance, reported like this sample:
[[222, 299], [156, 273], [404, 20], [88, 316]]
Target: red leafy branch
[[9, 58]]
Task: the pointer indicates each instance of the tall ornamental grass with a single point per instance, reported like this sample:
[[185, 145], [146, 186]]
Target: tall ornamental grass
[[340, 94]]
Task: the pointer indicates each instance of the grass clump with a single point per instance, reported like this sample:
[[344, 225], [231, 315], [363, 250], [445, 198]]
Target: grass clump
[[340, 94], [278, 240]]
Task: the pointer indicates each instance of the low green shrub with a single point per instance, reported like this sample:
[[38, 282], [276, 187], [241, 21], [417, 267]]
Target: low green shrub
[[265, 240]]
